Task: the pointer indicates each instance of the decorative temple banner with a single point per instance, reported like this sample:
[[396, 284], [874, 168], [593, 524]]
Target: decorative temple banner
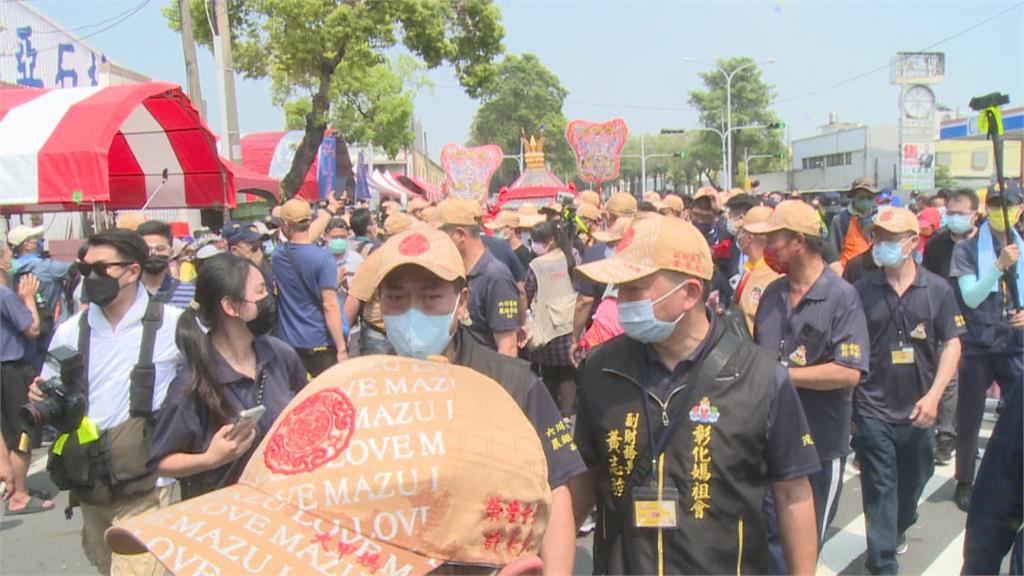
[[469, 170], [597, 147]]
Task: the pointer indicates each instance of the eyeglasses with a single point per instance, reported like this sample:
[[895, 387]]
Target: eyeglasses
[[100, 268]]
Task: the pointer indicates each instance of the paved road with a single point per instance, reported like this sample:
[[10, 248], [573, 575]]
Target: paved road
[[44, 544]]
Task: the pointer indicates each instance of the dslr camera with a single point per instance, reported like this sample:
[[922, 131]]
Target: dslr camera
[[64, 405]]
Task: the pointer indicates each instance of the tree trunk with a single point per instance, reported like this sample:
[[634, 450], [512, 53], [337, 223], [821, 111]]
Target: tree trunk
[[316, 123]]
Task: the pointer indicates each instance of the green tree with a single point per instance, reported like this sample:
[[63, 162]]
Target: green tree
[[944, 178], [525, 96], [752, 99], [336, 55]]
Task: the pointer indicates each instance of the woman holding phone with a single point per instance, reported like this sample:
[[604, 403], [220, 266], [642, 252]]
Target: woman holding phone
[[210, 423]]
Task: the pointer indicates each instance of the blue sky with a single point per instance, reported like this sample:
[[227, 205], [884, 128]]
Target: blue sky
[[625, 59]]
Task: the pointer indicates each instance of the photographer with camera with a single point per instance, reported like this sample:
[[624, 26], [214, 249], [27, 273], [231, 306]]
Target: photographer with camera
[[19, 328], [105, 397], [202, 435]]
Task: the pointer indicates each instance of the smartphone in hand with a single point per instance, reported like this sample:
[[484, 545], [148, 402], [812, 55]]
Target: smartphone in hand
[[247, 419]]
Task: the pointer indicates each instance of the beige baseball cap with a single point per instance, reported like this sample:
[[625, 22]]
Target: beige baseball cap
[[793, 215], [588, 211], [671, 202], [459, 212], [21, 234], [866, 184], [380, 465], [425, 247], [590, 197], [417, 204], [398, 222], [653, 198], [756, 215], [295, 211], [129, 220], [615, 232], [504, 219], [621, 204], [650, 245], [896, 220]]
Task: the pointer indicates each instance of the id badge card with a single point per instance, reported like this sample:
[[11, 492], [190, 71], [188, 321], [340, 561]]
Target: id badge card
[[902, 355], [652, 511]]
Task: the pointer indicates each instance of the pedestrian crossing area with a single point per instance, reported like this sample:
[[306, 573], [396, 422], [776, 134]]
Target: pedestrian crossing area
[[935, 542]]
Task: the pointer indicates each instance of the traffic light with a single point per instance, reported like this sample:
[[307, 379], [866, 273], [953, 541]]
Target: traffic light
[[777, 125], [781, 154], [681, 154]]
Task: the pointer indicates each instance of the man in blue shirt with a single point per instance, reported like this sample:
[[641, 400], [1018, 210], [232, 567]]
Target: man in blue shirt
[[158, 281], [52, 274], [309, 318]]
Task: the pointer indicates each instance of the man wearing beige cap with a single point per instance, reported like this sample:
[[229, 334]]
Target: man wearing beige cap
[[756, 275], [671, 205], [506, 227], [813, 321], [847, 233], [685, 427], [494, 299], [590, 197], [422, 286], [915, 327], [309, 318], [621, 209]]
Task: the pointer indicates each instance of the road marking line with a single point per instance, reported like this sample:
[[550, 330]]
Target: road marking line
[[951, 556], [850, 542]]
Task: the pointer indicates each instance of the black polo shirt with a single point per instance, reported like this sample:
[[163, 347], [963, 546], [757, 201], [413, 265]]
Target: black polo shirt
[[183, 424], [938, 254], [826, 326], [786, 454], [923, 319], [563, 458], [493, 300], [504, 254]]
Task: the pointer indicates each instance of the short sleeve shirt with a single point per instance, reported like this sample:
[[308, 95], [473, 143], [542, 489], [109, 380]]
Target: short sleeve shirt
[[938, 255], [493, 300], [299, 304], [828, 325], [504, 254], [989, 337], [184, 423], [598, 251], [15, 317], [926, 316], [363, 287]]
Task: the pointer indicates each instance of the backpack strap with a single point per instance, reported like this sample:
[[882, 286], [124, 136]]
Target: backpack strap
[[143, 376]]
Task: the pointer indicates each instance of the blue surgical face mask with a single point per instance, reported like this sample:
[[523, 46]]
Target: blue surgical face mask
[[337, 245], [888, 254], [417, 335], [639, 322], [959, 223], [268, 247]]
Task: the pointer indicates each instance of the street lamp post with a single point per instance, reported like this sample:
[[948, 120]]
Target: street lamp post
[[643, 156], [726, 181], [728, 108]]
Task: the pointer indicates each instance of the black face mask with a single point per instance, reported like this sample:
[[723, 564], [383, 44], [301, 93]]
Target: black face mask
[[100, 290], [266, 316], [156, 264]]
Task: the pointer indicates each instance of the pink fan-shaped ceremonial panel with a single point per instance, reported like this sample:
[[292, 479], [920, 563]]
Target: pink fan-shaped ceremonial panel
[[469, 170], [597, 146]]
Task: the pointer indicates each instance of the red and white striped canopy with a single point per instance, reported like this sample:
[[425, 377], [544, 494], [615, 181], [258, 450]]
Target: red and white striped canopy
[[112, 145]]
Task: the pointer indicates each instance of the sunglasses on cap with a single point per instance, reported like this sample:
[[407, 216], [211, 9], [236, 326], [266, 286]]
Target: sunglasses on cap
[[85, 268]]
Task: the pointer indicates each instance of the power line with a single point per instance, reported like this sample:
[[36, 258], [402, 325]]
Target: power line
[[886, 65], [85, 26], [598, 104]]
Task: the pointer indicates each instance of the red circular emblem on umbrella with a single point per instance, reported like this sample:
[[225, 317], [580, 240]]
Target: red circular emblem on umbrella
[[414, 245], [627, 239], [312, 434]]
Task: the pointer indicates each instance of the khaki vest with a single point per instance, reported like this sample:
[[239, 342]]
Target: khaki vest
[[553, 306]]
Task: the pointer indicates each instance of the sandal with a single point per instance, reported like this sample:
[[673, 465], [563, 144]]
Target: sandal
[[33, 506]]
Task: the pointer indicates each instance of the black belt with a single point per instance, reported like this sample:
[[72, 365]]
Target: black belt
[[306, 352]]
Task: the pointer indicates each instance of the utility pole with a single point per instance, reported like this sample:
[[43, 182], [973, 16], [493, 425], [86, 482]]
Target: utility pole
[[188, 47], [230, 146]]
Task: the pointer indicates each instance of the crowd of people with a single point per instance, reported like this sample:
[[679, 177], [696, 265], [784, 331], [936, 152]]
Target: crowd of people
[[697, 369]]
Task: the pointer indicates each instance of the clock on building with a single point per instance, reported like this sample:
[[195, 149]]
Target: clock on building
[[918, 101]]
